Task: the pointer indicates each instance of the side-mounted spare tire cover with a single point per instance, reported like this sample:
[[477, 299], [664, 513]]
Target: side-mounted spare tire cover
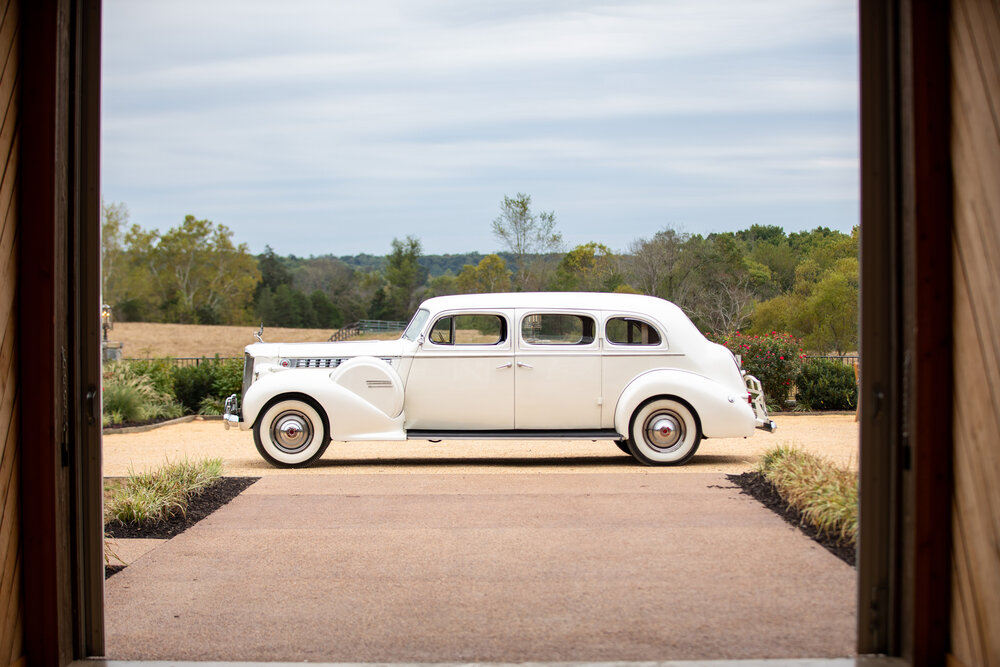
[[374, 381]]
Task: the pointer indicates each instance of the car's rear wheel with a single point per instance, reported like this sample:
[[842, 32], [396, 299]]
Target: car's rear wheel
[[663, 432], [290, 433]]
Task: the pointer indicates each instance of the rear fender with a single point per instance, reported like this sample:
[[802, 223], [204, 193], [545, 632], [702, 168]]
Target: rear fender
[[721, 412]]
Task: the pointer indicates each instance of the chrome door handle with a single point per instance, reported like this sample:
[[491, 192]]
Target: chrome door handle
[[507, 365], [521, 364]]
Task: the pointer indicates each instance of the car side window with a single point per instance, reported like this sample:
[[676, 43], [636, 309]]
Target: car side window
[[631, 331], [557, 329], [469, 330]]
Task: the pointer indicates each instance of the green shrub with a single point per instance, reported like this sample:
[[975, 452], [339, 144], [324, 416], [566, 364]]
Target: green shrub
[[775, 359], [227, 377], [192, 384], [200, 387], [825, 384]]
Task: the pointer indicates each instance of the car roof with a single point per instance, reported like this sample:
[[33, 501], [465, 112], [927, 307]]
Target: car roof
[[633, 303]]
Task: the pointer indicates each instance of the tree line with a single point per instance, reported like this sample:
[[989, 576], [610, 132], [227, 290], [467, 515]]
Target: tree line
[[757, 280]]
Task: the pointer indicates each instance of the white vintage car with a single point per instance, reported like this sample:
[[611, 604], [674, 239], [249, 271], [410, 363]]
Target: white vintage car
[[622, 367]]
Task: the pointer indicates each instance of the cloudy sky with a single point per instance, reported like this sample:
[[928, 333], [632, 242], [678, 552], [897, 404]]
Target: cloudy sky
[[331, 127]]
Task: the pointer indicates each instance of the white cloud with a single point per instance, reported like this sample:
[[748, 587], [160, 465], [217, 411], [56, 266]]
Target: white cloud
[[369, 110]]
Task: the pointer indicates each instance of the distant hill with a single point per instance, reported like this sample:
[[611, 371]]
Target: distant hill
[[436, 265]]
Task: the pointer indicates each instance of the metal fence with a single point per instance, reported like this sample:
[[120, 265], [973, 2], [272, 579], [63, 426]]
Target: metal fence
[[375, 326], [365, 327], [846, 359]]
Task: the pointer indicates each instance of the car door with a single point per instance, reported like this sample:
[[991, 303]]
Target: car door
[[462, 375], [557, 380]]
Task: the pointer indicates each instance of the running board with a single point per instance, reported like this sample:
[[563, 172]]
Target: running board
[[515, 434]]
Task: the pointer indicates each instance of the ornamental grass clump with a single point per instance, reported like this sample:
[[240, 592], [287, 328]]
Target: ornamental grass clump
[[825, 494], [129, 396], [148, 498]]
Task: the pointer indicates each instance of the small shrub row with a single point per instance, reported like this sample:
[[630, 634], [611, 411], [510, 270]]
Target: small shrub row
[[148, 389], [825, 494], [151, 497], [207, 384], [825, 384], [779, 362]]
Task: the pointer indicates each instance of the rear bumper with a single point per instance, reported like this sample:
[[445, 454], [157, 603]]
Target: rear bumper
[[761, 418]]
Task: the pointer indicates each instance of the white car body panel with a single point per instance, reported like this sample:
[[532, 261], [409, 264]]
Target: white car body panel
[[721, 415], [525, 381], [469, 390]]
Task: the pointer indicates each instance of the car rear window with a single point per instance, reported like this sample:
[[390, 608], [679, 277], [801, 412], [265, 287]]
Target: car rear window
[[631, 331], [557, 329]]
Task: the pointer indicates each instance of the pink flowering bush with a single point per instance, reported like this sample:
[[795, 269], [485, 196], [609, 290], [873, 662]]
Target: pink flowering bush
[[775, 359]]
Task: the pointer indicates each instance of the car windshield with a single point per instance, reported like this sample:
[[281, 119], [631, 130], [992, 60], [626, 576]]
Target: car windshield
[[416, 324]]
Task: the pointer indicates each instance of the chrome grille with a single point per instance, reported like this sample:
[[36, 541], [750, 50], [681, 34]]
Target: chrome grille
[[316, 363], [324, 362], [247, 374]]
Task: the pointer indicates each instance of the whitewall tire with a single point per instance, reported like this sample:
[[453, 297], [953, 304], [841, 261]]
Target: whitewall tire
[[290, 433], [663, 432]]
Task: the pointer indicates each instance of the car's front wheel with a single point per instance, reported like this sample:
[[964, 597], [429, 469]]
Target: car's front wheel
[[290, 433], [664, 432]]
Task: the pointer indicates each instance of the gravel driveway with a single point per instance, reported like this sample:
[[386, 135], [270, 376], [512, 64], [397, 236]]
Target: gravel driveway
[[832, 436]]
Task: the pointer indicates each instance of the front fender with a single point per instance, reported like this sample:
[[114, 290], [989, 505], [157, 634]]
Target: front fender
[[349, 416], [722, 413]]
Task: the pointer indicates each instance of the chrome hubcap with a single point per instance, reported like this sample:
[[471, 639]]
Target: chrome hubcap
[[664, 431], [291, 432]]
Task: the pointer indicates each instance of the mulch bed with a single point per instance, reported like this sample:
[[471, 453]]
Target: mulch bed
[[755, 485], [199, 507]]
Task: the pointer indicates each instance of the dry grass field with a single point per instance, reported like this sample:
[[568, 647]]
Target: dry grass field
[[150, 340]]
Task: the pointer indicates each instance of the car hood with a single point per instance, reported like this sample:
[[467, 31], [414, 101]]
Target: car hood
[[339, 350]]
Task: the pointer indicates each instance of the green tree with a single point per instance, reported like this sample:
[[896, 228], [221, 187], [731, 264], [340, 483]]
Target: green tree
[[718, 282], [327, 314], [273, 271], [443, 285], [653, 264], [201, 275], [829, 316], [529, 236], [127, 283], [822, 309], [405, 277], [347, 288], [490, 275], [590, 267], [113, 226]]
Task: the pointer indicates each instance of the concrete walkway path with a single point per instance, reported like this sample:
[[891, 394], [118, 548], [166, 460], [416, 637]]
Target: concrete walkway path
[[485, 567]]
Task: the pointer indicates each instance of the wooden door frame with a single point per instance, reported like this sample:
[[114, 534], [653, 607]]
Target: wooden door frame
[[59, 360], [903, 568], [906, 331]]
